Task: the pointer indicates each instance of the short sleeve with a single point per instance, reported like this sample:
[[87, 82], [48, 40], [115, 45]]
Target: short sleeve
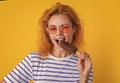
[[22, 73], [90, 78]]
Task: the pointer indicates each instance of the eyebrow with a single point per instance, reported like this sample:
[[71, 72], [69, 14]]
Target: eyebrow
[[59, 26]]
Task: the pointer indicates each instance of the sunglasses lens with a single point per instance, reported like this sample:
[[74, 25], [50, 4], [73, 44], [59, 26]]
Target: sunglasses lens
[[52, 29], [65, 28]]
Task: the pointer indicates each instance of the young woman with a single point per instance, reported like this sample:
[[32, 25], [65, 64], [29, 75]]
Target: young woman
[[53, 63]]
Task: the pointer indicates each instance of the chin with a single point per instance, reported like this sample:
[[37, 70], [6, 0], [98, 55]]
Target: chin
[[58, 47]]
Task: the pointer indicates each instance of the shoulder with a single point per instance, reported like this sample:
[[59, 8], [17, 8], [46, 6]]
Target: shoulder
[[74, 57], [33, 55]]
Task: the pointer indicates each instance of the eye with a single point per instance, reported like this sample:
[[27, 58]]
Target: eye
[[52, 29], [65, 28]]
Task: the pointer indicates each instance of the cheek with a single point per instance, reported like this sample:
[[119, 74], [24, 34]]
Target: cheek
[[51, 38], [69, 37]]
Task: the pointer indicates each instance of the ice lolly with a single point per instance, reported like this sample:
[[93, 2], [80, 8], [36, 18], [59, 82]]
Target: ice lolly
[[68, 46]]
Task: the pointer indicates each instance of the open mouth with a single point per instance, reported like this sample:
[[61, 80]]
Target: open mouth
[[59, 40], [66, 45]]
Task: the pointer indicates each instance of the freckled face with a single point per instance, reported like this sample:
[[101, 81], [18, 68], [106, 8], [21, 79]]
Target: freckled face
[[60, 28]]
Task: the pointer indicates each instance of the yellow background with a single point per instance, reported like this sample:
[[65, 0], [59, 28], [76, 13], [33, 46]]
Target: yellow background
[[101, 18]]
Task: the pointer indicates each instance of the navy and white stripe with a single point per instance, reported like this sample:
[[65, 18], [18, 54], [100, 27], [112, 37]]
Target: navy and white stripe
[[50, 70]]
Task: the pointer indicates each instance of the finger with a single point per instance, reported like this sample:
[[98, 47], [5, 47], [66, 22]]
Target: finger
[[82, 55], [84, 58], [87, 58], [79, 56], [86, 55]]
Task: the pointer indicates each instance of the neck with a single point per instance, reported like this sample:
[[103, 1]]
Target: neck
[[60, 53]]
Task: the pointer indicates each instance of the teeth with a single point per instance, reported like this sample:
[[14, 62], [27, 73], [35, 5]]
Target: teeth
[[59, 41]]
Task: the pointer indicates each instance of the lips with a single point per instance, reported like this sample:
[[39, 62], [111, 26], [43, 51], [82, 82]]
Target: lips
[[58, 40], [66, 45]]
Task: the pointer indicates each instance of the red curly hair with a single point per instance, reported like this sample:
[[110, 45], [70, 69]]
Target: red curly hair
[[45, 44]]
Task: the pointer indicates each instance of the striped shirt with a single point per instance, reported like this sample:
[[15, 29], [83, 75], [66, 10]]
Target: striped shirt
[[50, 70]]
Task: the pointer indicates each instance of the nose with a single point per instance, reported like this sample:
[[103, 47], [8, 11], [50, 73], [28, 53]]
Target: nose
[[59, 31]]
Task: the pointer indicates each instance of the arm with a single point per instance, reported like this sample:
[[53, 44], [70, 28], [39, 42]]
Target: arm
[[22, 73], [84, 79], [84, 67], [2, 81]]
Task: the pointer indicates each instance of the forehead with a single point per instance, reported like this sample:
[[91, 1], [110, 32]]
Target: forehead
[[59, 19]]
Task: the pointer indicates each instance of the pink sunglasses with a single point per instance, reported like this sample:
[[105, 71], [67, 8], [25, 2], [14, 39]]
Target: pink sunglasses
[[52, 29]]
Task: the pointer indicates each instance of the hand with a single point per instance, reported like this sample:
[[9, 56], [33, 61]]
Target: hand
[[84, 64]]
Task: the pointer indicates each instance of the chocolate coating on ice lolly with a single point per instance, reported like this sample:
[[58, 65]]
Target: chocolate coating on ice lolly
[[69, 47]]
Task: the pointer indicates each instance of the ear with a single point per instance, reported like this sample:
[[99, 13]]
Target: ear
[[74, 30]]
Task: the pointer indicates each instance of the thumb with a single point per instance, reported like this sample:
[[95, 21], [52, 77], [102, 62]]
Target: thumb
[[79, 54]]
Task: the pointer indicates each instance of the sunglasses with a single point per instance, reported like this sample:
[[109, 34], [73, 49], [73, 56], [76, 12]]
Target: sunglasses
[[52, 29]]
